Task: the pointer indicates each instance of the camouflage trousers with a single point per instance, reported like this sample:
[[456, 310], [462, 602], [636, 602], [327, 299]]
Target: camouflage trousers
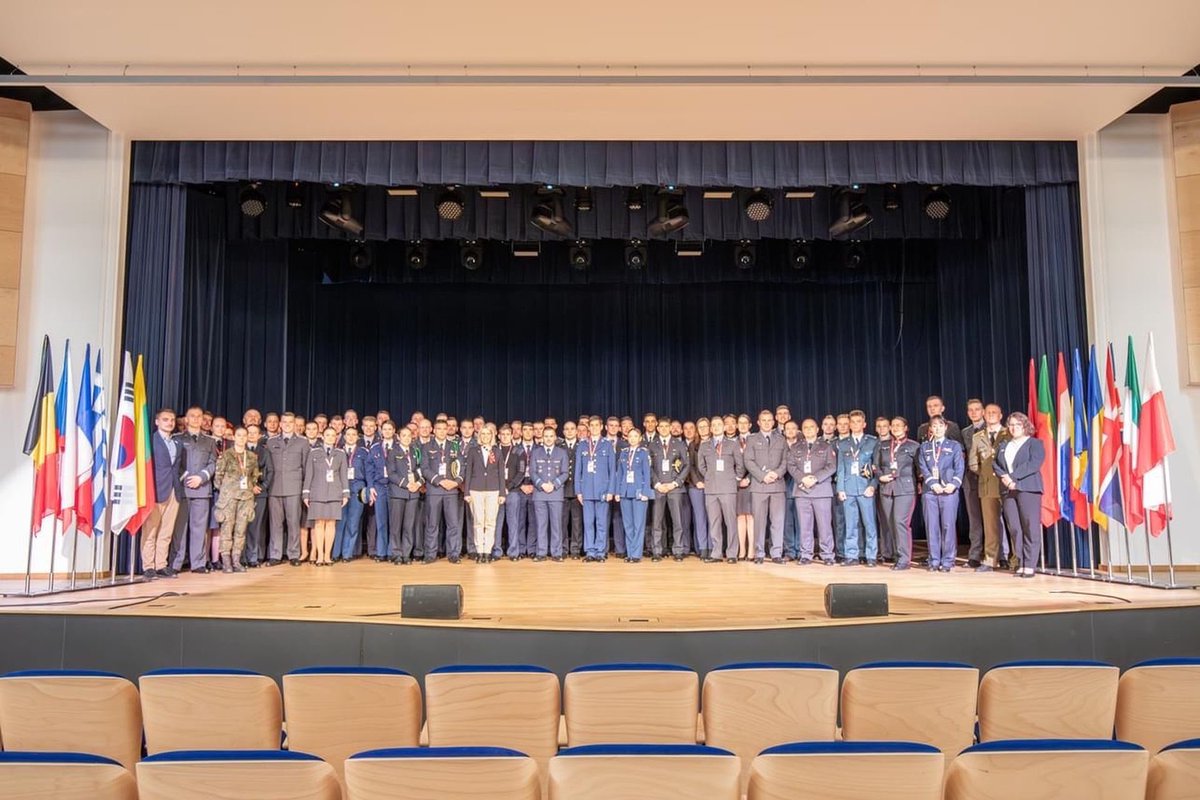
[[234, 516]]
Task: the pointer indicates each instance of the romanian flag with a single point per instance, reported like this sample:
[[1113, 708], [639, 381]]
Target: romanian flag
[[1109, 499], [1066, 415], [41, 444], [1095, 423], [1155, 443], [1081, 503], [1131, 410], [1044, 422]]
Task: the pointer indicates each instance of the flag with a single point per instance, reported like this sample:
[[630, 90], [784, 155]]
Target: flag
[[41, 444], [84, 428], [64, 419], [1065, 415], [1109, 498], [100, 449], [1131, 410], [124, 455], [1032, 411], [1044, 421], [1155, 443], [1081, 504], [1095, 433], [145, 457]]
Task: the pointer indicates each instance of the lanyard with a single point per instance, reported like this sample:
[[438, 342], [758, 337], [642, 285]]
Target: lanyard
[[592, 449], [937, 451], [718, 449], [241, 459], [632, 453], [895, 444]]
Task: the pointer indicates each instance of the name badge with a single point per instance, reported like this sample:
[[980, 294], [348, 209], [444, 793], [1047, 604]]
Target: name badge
[[807, 467], [442, 470], [592, 466], [894, 467], [350, 473], [244, 483], [720, 466], [629, 476], [666, 465], [329, 476], [935, 474]]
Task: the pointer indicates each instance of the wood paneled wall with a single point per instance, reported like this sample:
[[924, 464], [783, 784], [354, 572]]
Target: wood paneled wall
[[1185, 131], [14, 158]]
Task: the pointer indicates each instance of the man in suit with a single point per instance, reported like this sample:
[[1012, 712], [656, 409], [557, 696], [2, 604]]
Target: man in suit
[[572, 509], [896, 466], [548, 473], [402, 473], [984, 446], [719, 466], [595, 465], [377, 464], [266, 473], [349, 527], [857, 483], [669, 465], [515, 508], [197, 463], [941, 464], [812, 462], [289, 454], [160, 524], [441, 471], [766, 463], [970, 489]]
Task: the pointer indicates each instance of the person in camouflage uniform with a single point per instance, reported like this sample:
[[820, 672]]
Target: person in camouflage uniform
[[236, 477]]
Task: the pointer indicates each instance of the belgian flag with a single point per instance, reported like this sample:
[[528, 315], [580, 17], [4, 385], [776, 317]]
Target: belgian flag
[[41, 444]]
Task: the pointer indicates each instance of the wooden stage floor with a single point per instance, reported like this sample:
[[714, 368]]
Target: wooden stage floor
[[613, 596]]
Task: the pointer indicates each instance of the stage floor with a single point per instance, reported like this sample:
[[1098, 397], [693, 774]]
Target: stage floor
[[613, 596]]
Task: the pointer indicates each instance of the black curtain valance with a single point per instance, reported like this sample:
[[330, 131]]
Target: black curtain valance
[[764, 164]]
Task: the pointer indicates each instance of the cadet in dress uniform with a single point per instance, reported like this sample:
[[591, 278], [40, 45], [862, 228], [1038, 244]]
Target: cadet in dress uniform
[[970, 489], [984, 446], [612, 431], [595, 463], [548, 473], [720, 467], [745, 505], [289, 454], [197, 465], [631, 483], [857, 484], [941, 464], [887, 551], [695, 434], [791, 527], [512, 459], [530, 438], [812, 463], [483, 483], [572, 523], [896, 465], [236, 478], [380, 453], [326, 492], [441, 470], [345, 541], [766, 462], [669, 466], [403, 498]]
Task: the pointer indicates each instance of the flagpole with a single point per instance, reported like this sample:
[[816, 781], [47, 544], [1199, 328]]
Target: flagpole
[[1149, 559], [1128, 553], [53, 549], [95, 555], [1170, 546], [1074, 549], [74, 552], [29, 564], [1108, 547]]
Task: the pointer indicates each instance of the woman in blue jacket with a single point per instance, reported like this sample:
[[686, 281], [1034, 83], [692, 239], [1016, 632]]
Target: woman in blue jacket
[[1019, 465], [631, 485]]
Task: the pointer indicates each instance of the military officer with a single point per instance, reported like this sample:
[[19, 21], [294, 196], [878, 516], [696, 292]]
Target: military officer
[[404, 494], [197, 465], [441, 471], [984, 446], [857, 483], [595, 462], [669, 466], [289, 453], [236, 478], [345, 540], [766, 462], [631, 483], [812, 462], [941, 465], [896, 466], [572, 508], [548, 473], [720, 466]]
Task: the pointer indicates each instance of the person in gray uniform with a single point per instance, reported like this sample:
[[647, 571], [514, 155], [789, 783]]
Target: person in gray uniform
[[289, 454], [766, 462], [197, 466], [720, 466], [812, 462], [669, 466], [896, 466], [326, 491]]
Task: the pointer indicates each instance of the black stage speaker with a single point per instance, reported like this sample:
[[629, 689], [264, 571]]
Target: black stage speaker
[[443, 601], [856, 599]]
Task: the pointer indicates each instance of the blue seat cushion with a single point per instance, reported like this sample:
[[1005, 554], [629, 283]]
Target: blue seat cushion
[[644, 750], [441, 752], [772, 665], [1050, 745], [848, 748], [624, 667], [334, 670], [229, 755], [22, 757], [488, 668]]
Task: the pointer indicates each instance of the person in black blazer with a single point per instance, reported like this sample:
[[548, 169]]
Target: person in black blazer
[[896, 465], [1019, 466]]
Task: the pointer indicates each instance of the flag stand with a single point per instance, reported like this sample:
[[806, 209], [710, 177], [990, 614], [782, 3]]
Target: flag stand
[[1170, 545], [74, 552], [95, 556], [53, 551]]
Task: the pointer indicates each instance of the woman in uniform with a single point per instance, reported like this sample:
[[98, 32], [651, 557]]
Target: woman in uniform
[[745, 520], [631, 485], [326, 491]]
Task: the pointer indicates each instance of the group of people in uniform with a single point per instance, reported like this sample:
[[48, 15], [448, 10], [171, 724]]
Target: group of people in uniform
[[724, 488]]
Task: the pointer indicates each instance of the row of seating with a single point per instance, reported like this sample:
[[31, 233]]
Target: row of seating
[[1049, 769]]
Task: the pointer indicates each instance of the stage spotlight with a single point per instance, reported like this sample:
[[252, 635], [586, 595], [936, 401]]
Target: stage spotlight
[[936, 204], [853, 214], [743, 255], [758, 206], [580, 255], [633, 200], [295, 195], [891, 197], [338, 214], [635, 254], [416, 254], [361, 256], [672, 215], [855, 256], [583, 200], [548, 215], [252, 201], [799, 253], [450, 204], [470, 253]]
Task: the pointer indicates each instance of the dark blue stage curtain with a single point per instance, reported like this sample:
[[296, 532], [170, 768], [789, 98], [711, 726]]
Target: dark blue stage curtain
[[765, 164], [1055, 257]]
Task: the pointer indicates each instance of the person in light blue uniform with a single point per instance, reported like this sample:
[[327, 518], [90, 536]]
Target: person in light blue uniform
[[595, 463], [941, 463], [548, 473], [856, 486], [631, 484], [380, 454], [345, 539]]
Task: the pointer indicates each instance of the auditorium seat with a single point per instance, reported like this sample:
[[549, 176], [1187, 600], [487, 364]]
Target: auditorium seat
[[236, 775], [63, 776], [644, 703], [644, 772], [443, 773], [1048, 700], [848, 771], [911, 701], [335, 712], [512, 706], [1158, 702], [199, 709], [1175, 772], [751, 706], [1049, 769], [71, 711]]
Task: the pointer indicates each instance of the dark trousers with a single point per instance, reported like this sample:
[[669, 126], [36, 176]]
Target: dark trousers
[[941, 523], [791, 526], [572, 525], [700, 520], [686, 534], [382, 548], [970, 498], [887, 544], [721, 511], [285, 509], [345, 538], [897, 511], [254, 532], [446, 507], [501, 514], [767, 507], [1023, 514], [618, 528], [402, 526], [815, 514], [548, 515], [672, 503], [198, 511], [529, 538], [516, 515], [368, 527]]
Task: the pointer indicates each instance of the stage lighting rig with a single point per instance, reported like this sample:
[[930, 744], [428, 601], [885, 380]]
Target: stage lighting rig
[[470, 254], [855, 256], [936, 204], [361, 256], [252, 201], [583, 200], [450, 204], [338, 213], [672, 214], [853, 214], [633, 200], [547, 214], [416, 255], [891, 197], [295, 195], [799, 254], [758, 206], [635, 254], [580, 255], [743, 254]]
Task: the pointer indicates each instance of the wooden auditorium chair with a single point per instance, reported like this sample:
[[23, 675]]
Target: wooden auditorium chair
[[1048, 700], [625, 703], [335, 712], [911, 701], [71, 711], [1158, 702], [443, 773], [644, 772], [751, 706], [63, 776], [1175, 772], [848, 771], [210, 709], [1049, 769], [236, 775]]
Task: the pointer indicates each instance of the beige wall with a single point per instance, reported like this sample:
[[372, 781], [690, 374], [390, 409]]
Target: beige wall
[[14, 156]]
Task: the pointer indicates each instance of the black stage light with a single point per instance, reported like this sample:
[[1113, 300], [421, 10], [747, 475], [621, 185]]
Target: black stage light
[[743, 254], [548, 215], [450, 204], [891, 197], [936, 204], [295, 195], [635, 254], [252, 201], [853, 214], [416, 254], [338, 214], [583, 200], [758, 206], [799, 253], [633, 200], [470, 253], [361, 256], [580, 255], [855, 256], [672, 214]]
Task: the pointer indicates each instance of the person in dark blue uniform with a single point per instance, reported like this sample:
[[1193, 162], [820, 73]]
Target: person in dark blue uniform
[[631, 483], [345, 540], [595, 462], [548, 473], [441, 471]]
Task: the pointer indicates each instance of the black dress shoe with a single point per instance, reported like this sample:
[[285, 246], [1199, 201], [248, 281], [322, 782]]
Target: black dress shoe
[[849, 562], [656, 559], [898, 566], [295, 562], [759, 560], [679, 558], [201, 569], [870, 563], [274, 562], [973, 563], [167, 572], [778, 561], [804, 562], [539, 558], [150, 575], [454, 559], [557, 559], [428, 560]]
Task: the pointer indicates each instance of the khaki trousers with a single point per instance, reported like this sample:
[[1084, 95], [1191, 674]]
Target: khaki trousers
[[484, 506], [156, 533]]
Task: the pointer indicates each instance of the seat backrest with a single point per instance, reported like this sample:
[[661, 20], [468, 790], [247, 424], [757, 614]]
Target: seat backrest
[[1049, 769], [1048, 700], [1158, 702], [335, 712], [64, 776], [236, 775], [848, 771], [644, 772], [72, 711], [1175, 772], [443, 773], [752, 706], [643, 703], [911, 701], [210, 709]]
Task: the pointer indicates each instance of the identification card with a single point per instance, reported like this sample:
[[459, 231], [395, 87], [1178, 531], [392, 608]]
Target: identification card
[[808, 468], [720, 466], [592, 467], [442, 470], [629, 476], [936, 476], [666, 465], [350, 473], [894, 467], [244, 483], [329, 476]]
